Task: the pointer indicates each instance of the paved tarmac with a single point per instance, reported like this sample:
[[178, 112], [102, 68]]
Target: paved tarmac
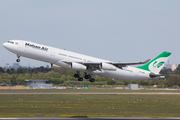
[[117, 93], [92, 118]]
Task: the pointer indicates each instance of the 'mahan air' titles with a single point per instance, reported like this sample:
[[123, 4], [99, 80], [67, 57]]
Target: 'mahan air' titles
[[36, 46]]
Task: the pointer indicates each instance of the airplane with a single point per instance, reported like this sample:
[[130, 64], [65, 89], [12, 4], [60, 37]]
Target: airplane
[[87, 64]]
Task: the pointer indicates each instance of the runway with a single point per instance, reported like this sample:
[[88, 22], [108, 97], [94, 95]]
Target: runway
[[97, 118], [110, 93]]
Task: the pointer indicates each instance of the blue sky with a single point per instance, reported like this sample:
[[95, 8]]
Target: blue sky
[[116, 30]]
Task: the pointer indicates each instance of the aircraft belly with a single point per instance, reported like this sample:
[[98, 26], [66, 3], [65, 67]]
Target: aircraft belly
[[126, 75]]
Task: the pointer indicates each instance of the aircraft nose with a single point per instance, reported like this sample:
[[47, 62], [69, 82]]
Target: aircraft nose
[[5, 45]]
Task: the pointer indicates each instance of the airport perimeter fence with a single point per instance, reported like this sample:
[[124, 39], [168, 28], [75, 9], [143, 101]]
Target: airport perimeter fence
[[93, 87]]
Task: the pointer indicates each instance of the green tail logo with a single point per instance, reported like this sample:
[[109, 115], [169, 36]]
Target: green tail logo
[[158, 65]]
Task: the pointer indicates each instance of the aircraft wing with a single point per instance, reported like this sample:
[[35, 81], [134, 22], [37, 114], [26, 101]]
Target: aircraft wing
[[96, 65], [126, 64]]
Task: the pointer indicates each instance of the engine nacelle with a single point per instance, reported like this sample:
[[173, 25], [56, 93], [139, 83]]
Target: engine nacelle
[[78, 66], [106, 66], [56, 66], [62, 64]]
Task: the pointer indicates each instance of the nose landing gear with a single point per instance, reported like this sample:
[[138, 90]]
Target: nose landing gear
[[18, 60]]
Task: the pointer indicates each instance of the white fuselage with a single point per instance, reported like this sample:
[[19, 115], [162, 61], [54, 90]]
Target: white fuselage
[[59, 57]]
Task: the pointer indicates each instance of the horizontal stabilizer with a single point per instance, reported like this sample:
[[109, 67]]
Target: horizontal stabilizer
[[152, 75]]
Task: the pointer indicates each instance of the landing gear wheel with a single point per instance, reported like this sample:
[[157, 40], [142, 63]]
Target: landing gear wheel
[[87, 76], [76, 75], [80, 79], [18, 60], [92, 80]]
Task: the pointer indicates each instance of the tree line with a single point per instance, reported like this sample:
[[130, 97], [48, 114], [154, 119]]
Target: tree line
[[65, 77]]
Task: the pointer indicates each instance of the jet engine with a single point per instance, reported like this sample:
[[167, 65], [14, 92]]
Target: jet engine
[[56, 66], [63, 64], [78, 66], [106, 66]]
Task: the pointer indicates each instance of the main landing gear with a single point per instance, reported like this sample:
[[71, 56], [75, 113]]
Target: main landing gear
[[87, 76], [78, 76], [92, 80], [18, 60]]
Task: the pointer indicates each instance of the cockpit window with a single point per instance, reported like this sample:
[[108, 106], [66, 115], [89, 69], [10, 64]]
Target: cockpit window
[[11, 42]]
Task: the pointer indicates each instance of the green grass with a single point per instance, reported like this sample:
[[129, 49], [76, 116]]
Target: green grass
[[90, 105], [86, 90]]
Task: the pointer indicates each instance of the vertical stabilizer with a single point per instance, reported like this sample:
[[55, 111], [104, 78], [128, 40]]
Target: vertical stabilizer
[[157, 63]]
